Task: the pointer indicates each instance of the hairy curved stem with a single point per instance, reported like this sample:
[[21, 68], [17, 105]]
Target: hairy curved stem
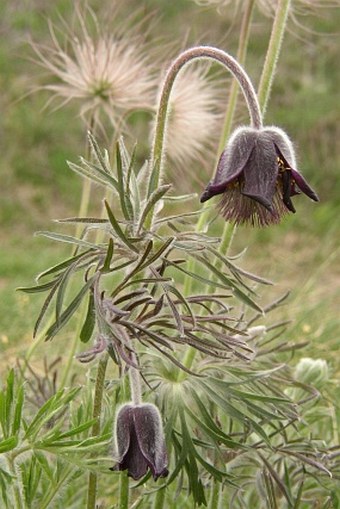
[[228, 120], [198, 52], [266, 80]]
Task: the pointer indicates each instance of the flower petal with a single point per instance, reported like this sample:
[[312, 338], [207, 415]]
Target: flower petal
[[287, 190], [134, 461], [232, 162], [261, 172], [123, 429], [302, 184], [149, 432], [130, 455], [283, 145]]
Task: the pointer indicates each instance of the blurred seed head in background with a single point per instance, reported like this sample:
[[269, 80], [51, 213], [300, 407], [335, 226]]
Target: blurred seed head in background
[[197, 103], [108, 72], [268, 7]]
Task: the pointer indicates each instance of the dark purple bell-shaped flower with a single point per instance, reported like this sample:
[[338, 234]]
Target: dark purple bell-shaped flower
[[256, 176], [140, 441]]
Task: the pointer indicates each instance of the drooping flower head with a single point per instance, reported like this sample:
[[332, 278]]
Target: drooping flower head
[[108, 72], [256, 176], [140, 441]]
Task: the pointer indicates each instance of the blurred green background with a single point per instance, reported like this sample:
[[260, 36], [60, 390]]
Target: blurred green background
[[301, 254]]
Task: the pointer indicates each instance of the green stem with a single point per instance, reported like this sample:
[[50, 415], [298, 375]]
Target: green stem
[[228, 119], [97, 408], [159, 499], [15, 485], [188, 360], [123, 490], [214, 495], [54, 489], [273, 53], [198, 52], [226, 240], [241, 58], [65, 377], [266, 81], [87, 184]]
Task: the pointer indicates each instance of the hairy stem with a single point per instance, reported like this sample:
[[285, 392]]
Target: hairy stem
[[198, 52], [214, 495], [266, 81], [241, 57], [15, 485], [159, 499], [228, 120], [273, 53], [123, 490], [135, 386], [97, 408]]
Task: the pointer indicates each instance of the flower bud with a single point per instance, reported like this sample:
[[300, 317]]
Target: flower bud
[[140, 441], [312, 371]]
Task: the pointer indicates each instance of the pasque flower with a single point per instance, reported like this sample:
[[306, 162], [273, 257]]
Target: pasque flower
[[256, 176], [140, 441]]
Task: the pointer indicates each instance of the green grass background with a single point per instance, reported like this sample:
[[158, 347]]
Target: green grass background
[[300, 255]]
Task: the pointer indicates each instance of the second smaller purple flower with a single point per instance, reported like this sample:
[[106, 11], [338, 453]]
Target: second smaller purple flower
[[140, 441]]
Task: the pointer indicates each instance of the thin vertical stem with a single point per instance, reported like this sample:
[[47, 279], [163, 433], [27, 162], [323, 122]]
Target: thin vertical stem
[[134, 375], [241, 58], [83, 210], [214, 495], [273, 53], [87, 184], [123, 490], [159, 499], [15, 485], [266, 82], [97, 408], [135, 386]]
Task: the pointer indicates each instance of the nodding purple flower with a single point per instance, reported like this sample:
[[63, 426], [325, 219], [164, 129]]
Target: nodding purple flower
[[140, 441], [256, 175]]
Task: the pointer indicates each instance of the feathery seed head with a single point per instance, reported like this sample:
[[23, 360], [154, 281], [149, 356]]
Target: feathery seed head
[[108, 73], [268, 7]]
